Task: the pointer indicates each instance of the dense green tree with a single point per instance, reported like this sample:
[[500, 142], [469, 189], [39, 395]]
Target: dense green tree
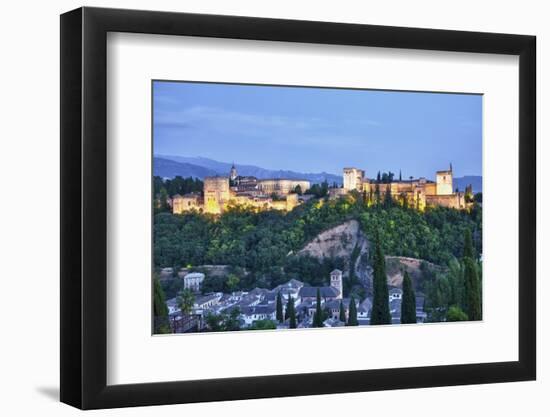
[[279, 306], [164, 189], [468, 247], [473, 291], [455, 313], [160, 310], [408, 302], [291, 313], [172, 287], [458, 286], [388, 201], [318, 316], [377, 197], [352, 316], [158, 183], [471, 280], [342, 316], [214, 283], [380, 305], [159, 301], [315, 190], [232, 282], [231, 321], [185, 301], [455, 277], [318, 190], [443, 288], [324, 188], [178, 185], [163, 196], [263, 325], [214, 322], [223, 322]]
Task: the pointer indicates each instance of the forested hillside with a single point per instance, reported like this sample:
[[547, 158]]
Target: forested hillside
[[264, 243]]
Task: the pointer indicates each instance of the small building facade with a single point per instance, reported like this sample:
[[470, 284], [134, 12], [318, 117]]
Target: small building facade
[[193, 281]]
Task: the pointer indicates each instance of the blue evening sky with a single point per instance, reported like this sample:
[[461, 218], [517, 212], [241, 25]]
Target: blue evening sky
[[319, 129]]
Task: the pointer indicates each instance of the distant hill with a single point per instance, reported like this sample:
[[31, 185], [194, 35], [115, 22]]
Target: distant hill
[[222, 168], [462, 182], [166, 168]]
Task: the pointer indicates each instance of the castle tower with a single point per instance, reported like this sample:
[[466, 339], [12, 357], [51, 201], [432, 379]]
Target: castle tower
[[444, 181], [216, 194], [336, 282], [353, 179], [233, 173]]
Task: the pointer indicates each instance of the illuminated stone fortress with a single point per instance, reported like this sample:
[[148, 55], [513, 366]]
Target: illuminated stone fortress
[[418, 193], [221, 192]]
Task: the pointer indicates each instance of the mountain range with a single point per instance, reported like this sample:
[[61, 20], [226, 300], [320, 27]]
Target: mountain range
[[168, 166]]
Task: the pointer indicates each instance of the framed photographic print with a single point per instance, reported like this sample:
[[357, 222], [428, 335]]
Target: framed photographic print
[[258, 207]]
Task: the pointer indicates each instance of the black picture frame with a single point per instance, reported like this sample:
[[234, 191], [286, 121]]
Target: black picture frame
[[84, 207]]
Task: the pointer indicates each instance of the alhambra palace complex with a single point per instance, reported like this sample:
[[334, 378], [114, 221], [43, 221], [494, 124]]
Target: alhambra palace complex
[[284, 194]]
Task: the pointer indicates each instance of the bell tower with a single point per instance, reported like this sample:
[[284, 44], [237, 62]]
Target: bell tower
[[233, 173], [336, 282]]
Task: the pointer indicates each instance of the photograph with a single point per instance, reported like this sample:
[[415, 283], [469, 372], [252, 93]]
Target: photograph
[[289, 207]]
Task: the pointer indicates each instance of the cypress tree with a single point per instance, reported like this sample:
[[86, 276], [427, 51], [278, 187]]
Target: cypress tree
[[342, 316], [377, 194], [291, 313], [473, 291], [280, 317], [380, 300], [387, 197], [468, 253], [160, 310], [352, 319], [318, 316], [471, 280], [468, 246], [159, 302], [408, 303]]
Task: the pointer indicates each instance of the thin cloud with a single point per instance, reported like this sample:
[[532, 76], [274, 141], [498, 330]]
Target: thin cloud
[[211, 118], [209, 115]]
